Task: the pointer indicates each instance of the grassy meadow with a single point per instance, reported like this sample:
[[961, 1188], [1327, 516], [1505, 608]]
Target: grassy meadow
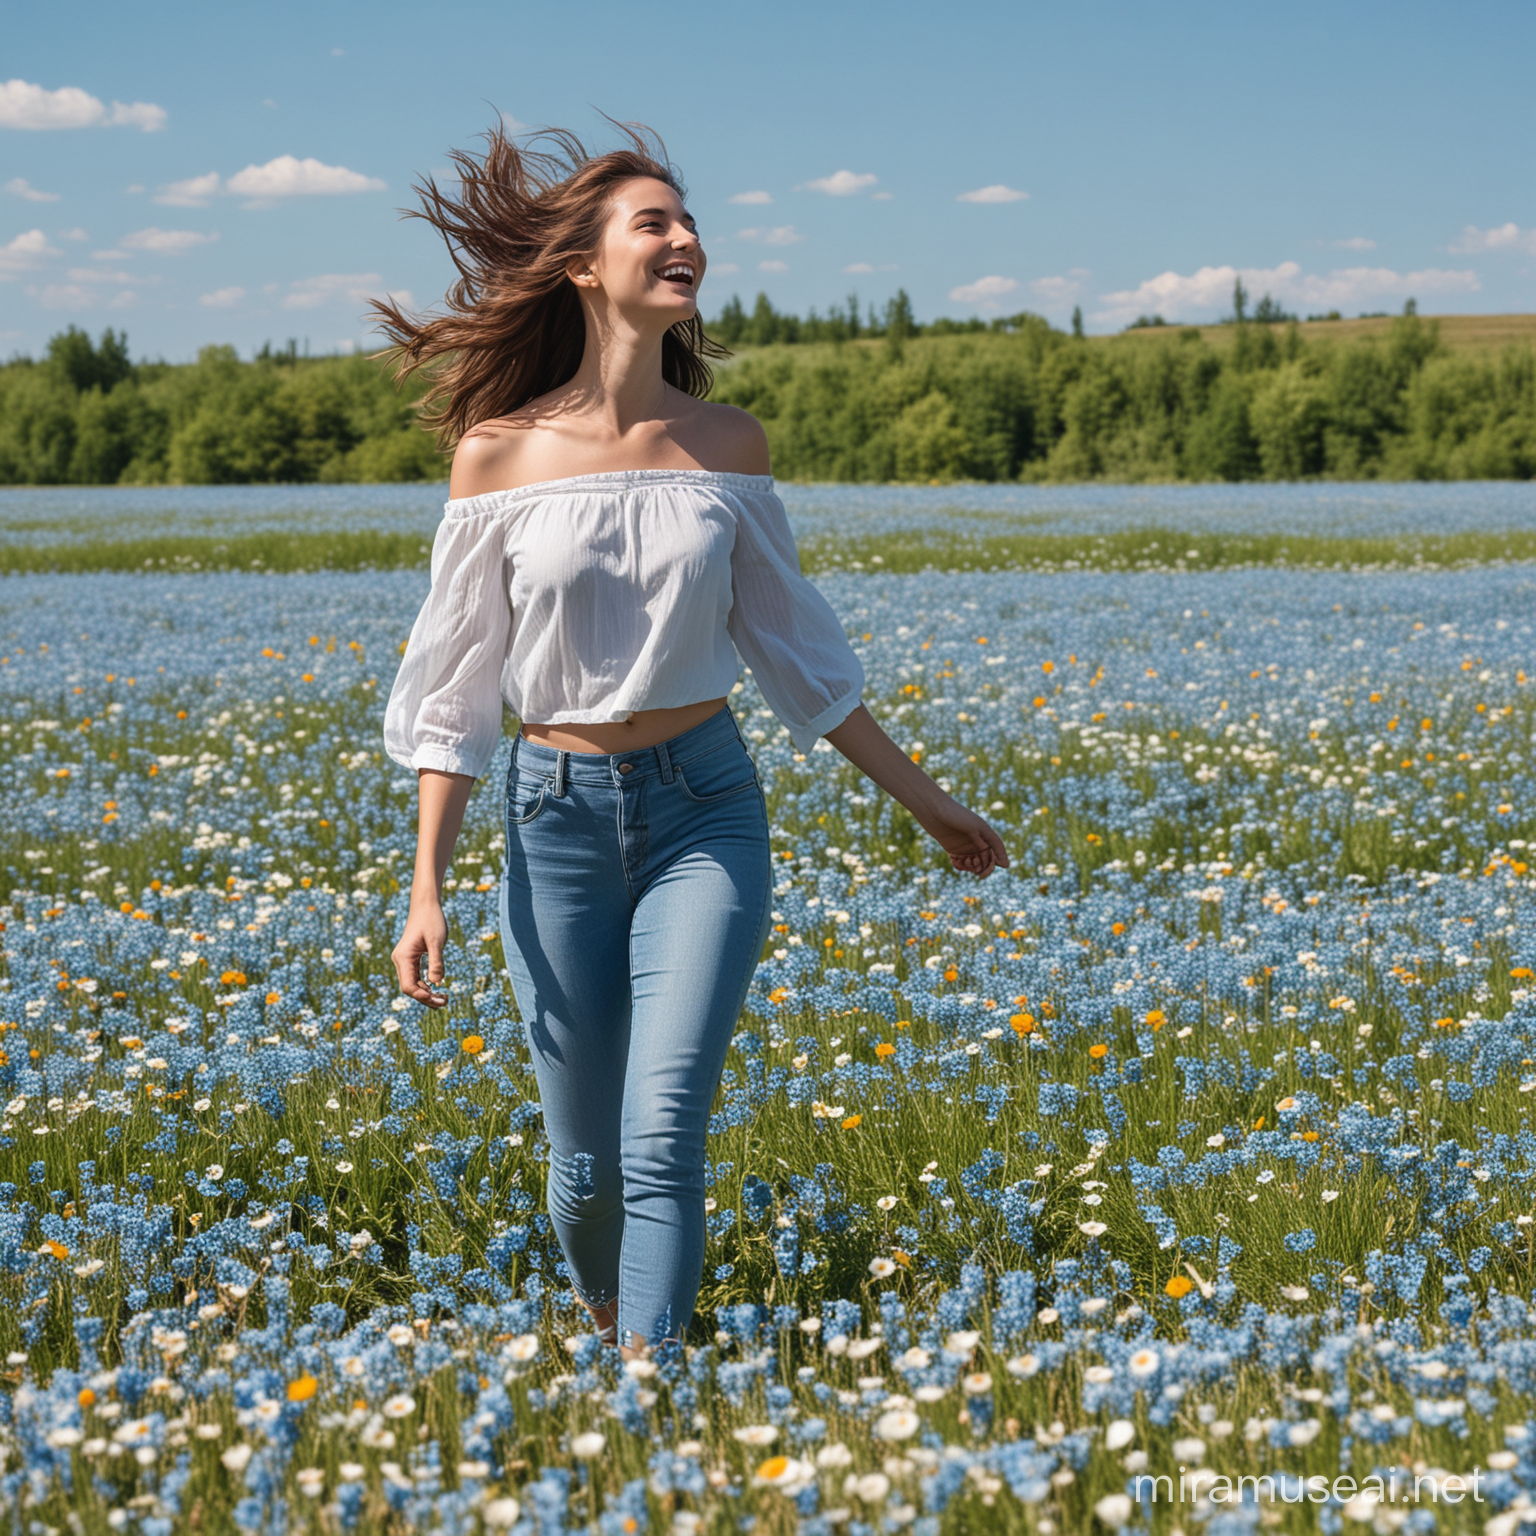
[[1195, 1145]]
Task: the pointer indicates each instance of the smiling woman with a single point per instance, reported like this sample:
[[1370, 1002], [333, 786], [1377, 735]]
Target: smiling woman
[[611, 550], [513, 328]]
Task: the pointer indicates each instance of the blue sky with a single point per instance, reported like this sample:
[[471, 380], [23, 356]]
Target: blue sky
[[211, 173]]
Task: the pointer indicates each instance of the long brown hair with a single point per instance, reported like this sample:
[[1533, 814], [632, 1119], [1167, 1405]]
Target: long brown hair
[[513, 327]]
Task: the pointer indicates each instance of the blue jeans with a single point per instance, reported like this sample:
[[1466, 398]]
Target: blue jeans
[[634, 909]]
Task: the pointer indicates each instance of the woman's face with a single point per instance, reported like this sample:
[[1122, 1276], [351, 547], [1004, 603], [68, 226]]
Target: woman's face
[[650, 263]]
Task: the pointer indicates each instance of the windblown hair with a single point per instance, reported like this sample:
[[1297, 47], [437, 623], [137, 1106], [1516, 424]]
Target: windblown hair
[[513, 327]]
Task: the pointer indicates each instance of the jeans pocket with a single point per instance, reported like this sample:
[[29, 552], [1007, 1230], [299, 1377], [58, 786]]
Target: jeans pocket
[[526, 795], [727, 771]]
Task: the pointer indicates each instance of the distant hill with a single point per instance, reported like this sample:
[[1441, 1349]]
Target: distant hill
[[1458, 333]]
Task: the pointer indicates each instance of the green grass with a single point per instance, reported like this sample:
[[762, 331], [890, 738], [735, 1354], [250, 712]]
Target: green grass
[[1144, 549]]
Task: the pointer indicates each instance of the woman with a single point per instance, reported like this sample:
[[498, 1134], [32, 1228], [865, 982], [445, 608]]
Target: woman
[[610, 544]]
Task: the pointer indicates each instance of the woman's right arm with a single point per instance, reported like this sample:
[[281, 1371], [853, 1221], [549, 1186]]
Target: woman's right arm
[[441, 800], [443, 719]]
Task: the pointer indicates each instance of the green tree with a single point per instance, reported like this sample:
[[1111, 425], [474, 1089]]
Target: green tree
[[929, 440], [1289, 414], [82, 366]]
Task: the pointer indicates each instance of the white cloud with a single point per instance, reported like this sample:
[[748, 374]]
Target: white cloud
[[137, 114], [222, 298], [1507, 237], [882, 197], [166, 242], [19, 186], [996, 193], [773, 266], [843, 183], [73, 234], [781, 234], [334, 287], [285, 176], [137, 186], [515, 126], [1356, 243], [289, 177], [194, 192], [24, 105], [79, 296], [859, 266], [1056, 291], [1174, 296], [984, 291], [101, 275], [25, 251], [750, 197], [723, 267]]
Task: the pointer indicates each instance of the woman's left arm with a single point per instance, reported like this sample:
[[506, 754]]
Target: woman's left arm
[[972, 845]]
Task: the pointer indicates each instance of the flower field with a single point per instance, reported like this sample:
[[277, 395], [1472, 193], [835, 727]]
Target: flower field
[[1195, 1146]]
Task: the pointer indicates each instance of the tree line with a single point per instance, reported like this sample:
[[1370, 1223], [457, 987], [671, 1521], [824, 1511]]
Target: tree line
[[843, 396], [1017, 399], [86, 415]]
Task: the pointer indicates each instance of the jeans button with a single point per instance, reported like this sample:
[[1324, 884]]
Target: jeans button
[[626, 767]]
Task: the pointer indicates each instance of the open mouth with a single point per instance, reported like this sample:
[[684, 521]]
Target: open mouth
[[679, 272]]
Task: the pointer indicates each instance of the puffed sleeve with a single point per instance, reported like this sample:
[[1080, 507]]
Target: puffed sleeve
[[785, 630], [444, 711]]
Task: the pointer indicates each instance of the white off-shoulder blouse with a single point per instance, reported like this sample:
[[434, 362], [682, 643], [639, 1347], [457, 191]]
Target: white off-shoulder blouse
[[588, 598]]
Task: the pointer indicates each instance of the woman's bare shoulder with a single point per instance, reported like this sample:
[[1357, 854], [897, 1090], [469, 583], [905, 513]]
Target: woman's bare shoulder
[[733, 440], [489, 457]]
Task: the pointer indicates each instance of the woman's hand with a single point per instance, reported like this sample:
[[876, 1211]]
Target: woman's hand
[[426, 932], [441, 801], [971, 843]]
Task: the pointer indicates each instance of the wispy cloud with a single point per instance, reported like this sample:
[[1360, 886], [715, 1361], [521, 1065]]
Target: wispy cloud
[[263, 185], [1175, 295], [752, 198], [194, 192], [843, 183], [73, 234], [222, 298], [1356, 243], [78, 296], [985, 291], [996, 193], [1057, 292], [105, 275], [1507, 237], [25, 252], [334, 287], [782, 234], [19, 186], [723, 267], [24, 105], [166, 242], [859, 267], [773, 266]]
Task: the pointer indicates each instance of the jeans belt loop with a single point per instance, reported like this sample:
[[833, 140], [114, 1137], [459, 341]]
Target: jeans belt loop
[[665, 760], [560, 758]]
